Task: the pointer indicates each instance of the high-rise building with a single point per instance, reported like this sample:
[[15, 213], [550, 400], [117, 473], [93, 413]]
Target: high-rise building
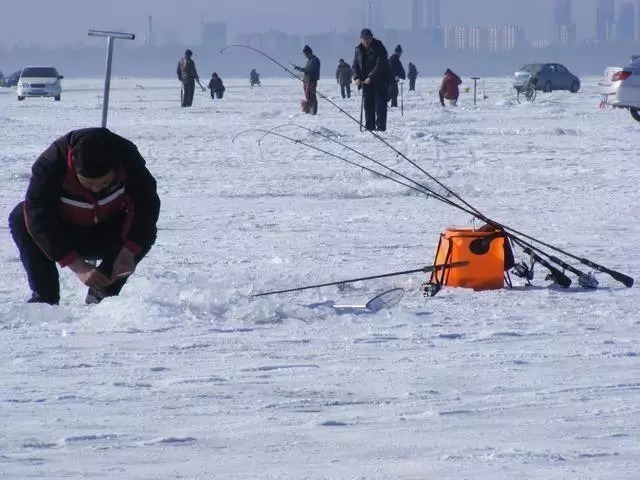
[[432, 12], [563, 27], [605, 20], [505, 37], [626, 23], [375, 15], [562, 12], [637, 22], [150, 40], [477, 38], [565, 34], [417, 15], [455, 37]]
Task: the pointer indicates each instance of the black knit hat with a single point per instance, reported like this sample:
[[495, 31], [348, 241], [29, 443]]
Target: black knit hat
[[188, 53], [307, 49], [94, 154], [398, 49], [365, 32]]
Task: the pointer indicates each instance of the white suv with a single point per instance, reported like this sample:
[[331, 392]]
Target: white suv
[[39, 82]]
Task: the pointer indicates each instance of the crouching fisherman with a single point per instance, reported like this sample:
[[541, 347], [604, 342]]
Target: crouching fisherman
[[450, 88], [90, 197], [216, 86]]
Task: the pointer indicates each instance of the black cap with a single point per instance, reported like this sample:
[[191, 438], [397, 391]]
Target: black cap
[[398, 49], [94, 154], [188, 53], [365, 32], [307, 49]]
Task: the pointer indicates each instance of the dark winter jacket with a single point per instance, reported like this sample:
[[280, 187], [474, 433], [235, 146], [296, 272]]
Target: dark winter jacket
[[311, 70], [397, 70], [413, 71], [372, 62], [449, 87], [56, 202], [216, 85], [344, 73], [187, 70]]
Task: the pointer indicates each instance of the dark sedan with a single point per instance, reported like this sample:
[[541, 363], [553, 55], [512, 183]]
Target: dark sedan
[[548, 77]]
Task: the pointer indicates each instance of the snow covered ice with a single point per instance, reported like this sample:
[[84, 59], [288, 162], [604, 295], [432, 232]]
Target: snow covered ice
[[185, 376]]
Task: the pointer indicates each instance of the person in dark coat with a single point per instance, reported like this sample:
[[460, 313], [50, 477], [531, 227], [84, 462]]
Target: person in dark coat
[[343, 77], [216, 86], [254, 78], [412, 74], [90, 197], [310, 81], [449, 89], [371, 72], [188, 75], [397, 74]]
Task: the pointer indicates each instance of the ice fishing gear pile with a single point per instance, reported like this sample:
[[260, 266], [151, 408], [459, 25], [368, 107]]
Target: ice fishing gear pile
[[486, 253]]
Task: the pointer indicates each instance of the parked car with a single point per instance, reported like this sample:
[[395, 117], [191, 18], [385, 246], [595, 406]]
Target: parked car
[[39, 82], [620, 87], [11, 80], [546, 77]]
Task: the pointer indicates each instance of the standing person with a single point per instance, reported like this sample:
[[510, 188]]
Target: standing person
[[216, 86], [188, 75], [310, 81], [90, 197], [449, 88], [397, 73], [254, 78], [343, 77], [412, 74], [371, 72]]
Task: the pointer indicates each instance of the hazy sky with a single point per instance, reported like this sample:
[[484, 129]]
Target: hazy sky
[[68, 22]]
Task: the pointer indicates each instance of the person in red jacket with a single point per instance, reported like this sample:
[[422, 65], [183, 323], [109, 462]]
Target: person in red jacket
[[450, 88], [90, 197]]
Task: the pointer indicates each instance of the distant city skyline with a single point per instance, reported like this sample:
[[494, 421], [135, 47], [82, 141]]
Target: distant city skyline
[[181, 22]]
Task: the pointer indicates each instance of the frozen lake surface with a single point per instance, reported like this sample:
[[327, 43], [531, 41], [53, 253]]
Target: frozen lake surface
[[185, 376]]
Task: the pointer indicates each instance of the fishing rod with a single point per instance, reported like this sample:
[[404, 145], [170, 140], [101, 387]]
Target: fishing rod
[[426, 190], [327, 152], [426, 269], [478, 248], [585, 279], [626, 280], [325, 97]]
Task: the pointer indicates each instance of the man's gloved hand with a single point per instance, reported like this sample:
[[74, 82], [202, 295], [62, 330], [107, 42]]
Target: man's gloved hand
[[90, 275], [124, 265], [95, 279]]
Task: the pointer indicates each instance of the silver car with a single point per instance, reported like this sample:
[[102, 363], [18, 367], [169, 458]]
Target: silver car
[[546, 77], [620, 87]]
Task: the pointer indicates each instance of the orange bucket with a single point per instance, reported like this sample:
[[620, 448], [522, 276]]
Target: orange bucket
[[485, 270]]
